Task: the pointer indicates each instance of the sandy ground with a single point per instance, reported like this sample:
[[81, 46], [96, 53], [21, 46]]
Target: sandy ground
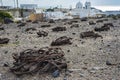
[[87, 57]]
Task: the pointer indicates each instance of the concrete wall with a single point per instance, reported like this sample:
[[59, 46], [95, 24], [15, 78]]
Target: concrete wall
[[20, 13]]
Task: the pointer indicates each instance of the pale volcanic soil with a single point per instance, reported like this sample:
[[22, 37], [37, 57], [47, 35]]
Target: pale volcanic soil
[[86, 59]]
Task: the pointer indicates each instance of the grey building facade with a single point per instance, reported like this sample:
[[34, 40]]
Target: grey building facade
[[28, 6]]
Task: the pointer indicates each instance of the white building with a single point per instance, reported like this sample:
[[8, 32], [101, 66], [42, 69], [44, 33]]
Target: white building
[[57, 15], [85, 11], [54, 15], [28, 6], [5, 7], [79, 11]]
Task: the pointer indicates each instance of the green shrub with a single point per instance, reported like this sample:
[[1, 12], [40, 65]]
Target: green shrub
[[118, 15], [52, 10], [112, 16], [4, 14]]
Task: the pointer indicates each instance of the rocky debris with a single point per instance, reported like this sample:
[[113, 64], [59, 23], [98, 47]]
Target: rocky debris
[[119, 66], [2, 28], [92, 23], [68, 50], [95, 69], [74, 26], [84, 19], [73, 33], [82, 62], [28, 21], [28, 29], [69, 22], [51, 21], [35, 22], [109, 63], [18, 22], [63, 20], [98, 68], [44, 26], [56, 29], [6, 64], [16, 36], [90, 34], [8, 20], [4, 40], [103, 28], [99, 21], [5, 52], [42, 34], [39, 61], [109, 24], [21, 24], [62, 41], [105, 19], [74, 21]]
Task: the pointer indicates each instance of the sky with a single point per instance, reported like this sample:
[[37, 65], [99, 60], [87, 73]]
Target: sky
[[100, 4]]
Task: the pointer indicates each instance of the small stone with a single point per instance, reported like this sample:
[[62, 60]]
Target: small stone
[[108, 45], [6, 52], [68, 61], [108, 63], [16, 36], [35, 46], [100, 48], [70, 71], [56, 74], [73, 33], [85, 63], [6, 64], [82, 75], [68, 50], [76, 45], [83, 54], [0, 75], [65, 78], [21, 24], [119, 67], [82, 42], [98, 68], [92, 71], [85, 68]]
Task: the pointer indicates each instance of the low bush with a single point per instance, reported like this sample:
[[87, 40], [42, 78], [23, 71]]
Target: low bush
[[3, 15]]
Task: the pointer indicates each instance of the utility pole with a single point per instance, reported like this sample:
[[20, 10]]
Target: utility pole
[[17, 4], [1, 2], [14, 4], [18, 12], [70, 7]]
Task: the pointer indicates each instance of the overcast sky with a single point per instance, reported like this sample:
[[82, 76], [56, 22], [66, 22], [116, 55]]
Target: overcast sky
[[113, 4]]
